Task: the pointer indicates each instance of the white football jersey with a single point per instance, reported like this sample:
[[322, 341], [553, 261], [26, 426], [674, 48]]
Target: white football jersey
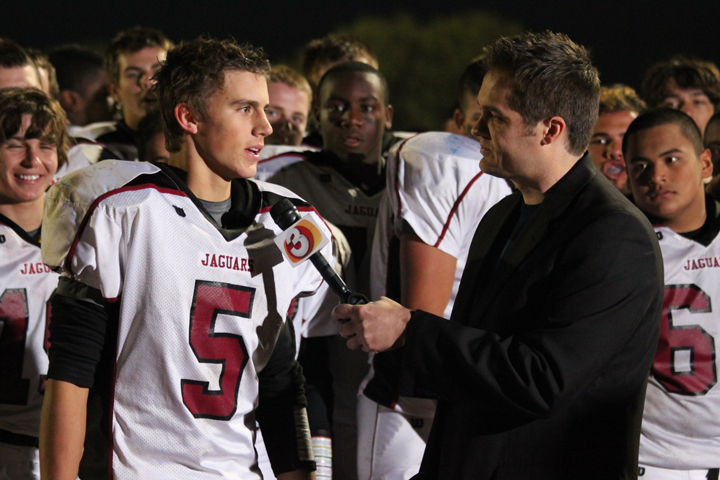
[[275, 157], [25, 288], [681, 420], [339, 201], [436, 186], [199, 313]]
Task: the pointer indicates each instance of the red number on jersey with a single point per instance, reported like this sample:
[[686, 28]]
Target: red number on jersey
[[14, 315], [691, 342], [209, 300]]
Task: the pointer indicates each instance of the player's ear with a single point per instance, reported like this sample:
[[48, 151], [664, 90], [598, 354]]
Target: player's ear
[[459, 119], [388, 116], [706, 164], [186, 118], [553, 128]]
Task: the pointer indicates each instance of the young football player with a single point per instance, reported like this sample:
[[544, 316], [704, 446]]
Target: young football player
[[32, 144], [168, 329], [667, 164]]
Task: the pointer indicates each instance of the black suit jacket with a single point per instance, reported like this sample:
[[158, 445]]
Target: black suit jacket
[[541, 371]]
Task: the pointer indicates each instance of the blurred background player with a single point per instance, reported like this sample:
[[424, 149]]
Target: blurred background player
[[16, 67], [289, 108], [131, 60], [345, 182], [321, 54], [686, 84], [210, 311], [619, 106], [82, 84], [435, 197], [46, 70], [32, 144], [667, 164], [151, 139]]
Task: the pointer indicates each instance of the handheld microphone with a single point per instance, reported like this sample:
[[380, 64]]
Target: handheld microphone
[[285, 216]]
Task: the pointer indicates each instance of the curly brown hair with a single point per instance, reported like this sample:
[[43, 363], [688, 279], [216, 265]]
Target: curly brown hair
[[130, 41], [687, 73], [48, 118], [620, 98], [194, 70]]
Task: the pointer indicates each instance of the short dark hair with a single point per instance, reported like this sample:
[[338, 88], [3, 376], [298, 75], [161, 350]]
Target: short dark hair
[[193, 71], [332, 49], [42, 60], [149, 126], [356, 67], [48, 118], [551, 76], [130, 41], [620, 98], [13, 55], [714, 118], [76, 67], [470, 82], [687, 73], [656, 117]]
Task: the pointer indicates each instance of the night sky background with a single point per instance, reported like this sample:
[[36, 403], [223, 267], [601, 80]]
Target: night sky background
[[624, 36]]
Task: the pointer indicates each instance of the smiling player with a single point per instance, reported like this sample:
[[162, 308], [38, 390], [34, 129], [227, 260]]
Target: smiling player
[[198, 346]]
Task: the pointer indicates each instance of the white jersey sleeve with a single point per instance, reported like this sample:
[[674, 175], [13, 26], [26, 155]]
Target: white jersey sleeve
[[681, 419]]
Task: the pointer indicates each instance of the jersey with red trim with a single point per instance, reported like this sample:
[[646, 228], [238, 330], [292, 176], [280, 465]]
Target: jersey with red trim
[[25, 287], [349, 206], [199, 311], [681, 420], [435, 186], [275, 157]]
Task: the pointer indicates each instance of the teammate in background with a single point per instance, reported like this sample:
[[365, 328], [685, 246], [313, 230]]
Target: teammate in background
[[434, 200], [667, 164], [151, 139], [209, 311], [16, 67], [345, 182], [82, 84], [32, 144], [686, 84], [46, 70], [131, 60], [320, 55], [711, 139], [619, 106], [289, 108]]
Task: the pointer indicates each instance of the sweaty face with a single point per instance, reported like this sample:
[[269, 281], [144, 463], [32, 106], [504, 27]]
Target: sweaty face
[[353, 116], [507, 145], [606, 146], [288, 113], [666, 177], [21, 77], [232, 130], [133, 87], [692, 101], [712, 143], [27, 166]]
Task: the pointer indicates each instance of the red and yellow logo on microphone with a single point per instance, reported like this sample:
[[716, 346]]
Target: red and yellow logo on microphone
[[301, 240]]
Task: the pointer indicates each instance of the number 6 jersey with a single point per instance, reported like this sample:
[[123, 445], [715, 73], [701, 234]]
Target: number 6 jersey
[[194, 315], [681, 420]]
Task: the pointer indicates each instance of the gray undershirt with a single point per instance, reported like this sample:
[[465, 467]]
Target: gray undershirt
[[217, 209]]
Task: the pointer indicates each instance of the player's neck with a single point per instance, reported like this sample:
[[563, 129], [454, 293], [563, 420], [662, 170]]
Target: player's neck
[[693, 218], [27, 215], [201, 180]]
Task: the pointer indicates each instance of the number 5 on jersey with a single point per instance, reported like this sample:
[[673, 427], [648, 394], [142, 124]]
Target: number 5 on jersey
[[211, 299]]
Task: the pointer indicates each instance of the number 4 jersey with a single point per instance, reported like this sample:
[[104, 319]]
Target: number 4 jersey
[[199, 312], [25, 287], [681, 420]]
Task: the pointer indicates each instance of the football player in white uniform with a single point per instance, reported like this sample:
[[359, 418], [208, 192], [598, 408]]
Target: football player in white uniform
[[168, 329], [32, 144], [667, 163], [345, 181], [436, 196]]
